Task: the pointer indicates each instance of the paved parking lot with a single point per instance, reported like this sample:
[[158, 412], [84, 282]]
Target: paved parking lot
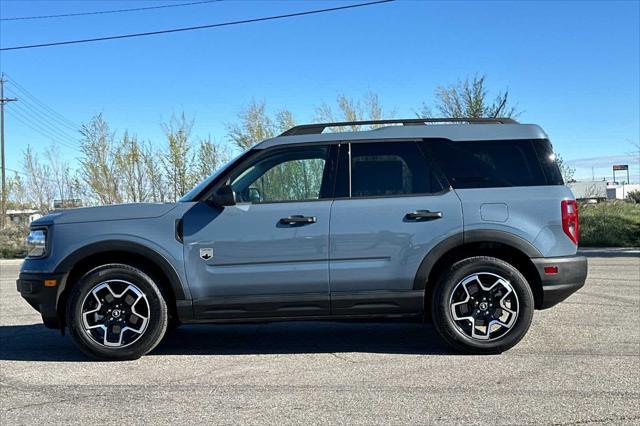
[[580, 363]]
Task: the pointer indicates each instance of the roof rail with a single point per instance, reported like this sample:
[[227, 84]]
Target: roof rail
[[317, 128]]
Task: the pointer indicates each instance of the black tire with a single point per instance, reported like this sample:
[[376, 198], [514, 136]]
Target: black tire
[[443, 318], [141, 344]]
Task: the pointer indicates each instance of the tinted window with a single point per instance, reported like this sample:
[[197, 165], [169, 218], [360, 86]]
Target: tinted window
[[395, 168], [488, 164], [291, 175], [547, 160]]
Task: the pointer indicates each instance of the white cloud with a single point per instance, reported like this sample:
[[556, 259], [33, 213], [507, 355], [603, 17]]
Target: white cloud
[[605, 161]]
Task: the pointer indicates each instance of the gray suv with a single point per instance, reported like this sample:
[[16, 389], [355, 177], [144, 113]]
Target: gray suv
[[465, 222]]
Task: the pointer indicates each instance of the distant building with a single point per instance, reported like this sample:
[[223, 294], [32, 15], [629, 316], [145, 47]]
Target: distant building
[[69, 203], [589, 190], [620, 192], [601, 190], [22, 217]]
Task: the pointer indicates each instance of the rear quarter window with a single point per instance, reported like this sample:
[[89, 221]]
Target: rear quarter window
[[489, 164], [547, 160]]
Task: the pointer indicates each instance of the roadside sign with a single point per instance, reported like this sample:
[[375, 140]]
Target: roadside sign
[[68, 203], [621, 167]]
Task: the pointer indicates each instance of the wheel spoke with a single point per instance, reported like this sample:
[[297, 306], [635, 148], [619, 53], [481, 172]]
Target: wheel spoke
[[484, 312], [115, 313]]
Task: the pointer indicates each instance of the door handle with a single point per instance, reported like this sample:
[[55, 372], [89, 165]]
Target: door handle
[[422, 215], [297, 220]]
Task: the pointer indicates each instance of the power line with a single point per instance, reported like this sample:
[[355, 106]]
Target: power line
[[46, 120], [104, 12], [18, 172], [12, 81], [30, 175], [199, 27], [41, 129], [40, 109], [43, 119]]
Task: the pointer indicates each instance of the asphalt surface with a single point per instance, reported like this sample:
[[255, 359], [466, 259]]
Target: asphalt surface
[[579, 363]]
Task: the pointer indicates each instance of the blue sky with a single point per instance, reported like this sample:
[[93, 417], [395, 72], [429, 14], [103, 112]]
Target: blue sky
[[572, 67]]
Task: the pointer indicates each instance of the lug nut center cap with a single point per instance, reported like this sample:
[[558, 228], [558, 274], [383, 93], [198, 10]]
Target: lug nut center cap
[[115, 313], [483, 306]]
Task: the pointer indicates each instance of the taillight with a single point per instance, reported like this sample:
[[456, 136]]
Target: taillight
[[570, 219]]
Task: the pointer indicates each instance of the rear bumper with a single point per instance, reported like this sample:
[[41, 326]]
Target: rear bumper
[[570, 277], [42, 298]]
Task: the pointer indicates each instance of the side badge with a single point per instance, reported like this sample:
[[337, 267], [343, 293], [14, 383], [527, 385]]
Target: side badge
[[206, 253]]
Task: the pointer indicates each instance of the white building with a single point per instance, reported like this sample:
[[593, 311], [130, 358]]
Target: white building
[[22, 217], [620, 192], [589, 190], [601, 190]]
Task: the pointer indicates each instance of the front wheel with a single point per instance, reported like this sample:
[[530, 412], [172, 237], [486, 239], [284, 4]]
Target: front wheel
[[482, 305], [116, 312]]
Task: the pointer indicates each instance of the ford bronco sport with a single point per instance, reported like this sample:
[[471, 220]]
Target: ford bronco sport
[[463, 221]]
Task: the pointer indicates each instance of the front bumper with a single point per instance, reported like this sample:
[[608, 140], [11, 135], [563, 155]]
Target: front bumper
[[570, 277], [43, 298]]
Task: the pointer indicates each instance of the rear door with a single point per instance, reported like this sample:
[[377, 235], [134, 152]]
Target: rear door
[[390, 210], [268, 254]]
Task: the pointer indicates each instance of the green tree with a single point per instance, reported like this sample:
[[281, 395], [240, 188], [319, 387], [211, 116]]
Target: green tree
[[16, 192], [158, 185], [469, 99], [131, 167], [178, 158], [634, 196], [350, 109], [567, 171], [210, 156], [255, 125], [98, 165], [39, 188], [64, 183]]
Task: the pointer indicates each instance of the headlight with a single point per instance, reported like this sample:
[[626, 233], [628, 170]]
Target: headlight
[[37, 243]]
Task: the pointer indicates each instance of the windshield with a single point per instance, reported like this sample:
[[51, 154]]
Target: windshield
[[189, 196]]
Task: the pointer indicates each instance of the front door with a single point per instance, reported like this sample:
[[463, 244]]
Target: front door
[[267, 256], [392, 212]]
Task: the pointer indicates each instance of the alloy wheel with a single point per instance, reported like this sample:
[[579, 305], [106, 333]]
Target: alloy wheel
[[484, 306], [115, 313]]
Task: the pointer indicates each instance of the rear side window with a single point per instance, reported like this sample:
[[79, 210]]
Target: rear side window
[[388, 169], [489, 164]]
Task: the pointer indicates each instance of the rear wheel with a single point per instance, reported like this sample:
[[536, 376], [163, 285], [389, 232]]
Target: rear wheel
[[482, 305], [116, 312]]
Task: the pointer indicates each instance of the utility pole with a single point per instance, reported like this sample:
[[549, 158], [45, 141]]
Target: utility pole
[[3, 101]]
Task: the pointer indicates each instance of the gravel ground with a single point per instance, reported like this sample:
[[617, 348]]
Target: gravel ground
[[579, 363]]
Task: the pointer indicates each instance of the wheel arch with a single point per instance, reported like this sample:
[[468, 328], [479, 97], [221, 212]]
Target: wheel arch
[[133, 254], [502, 245]]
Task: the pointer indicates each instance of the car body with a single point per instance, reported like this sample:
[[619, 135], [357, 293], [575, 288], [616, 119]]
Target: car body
[[338, 225]]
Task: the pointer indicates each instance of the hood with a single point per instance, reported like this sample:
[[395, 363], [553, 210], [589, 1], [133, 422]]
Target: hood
[[106, 213]]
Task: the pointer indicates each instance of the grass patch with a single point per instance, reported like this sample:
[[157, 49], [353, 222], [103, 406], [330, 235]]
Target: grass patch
[[612, 224]]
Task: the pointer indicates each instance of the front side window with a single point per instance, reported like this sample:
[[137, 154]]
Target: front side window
[[295, 174], [390, 169]]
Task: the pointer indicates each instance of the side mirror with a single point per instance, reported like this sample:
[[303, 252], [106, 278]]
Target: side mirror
[[224, 196]]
